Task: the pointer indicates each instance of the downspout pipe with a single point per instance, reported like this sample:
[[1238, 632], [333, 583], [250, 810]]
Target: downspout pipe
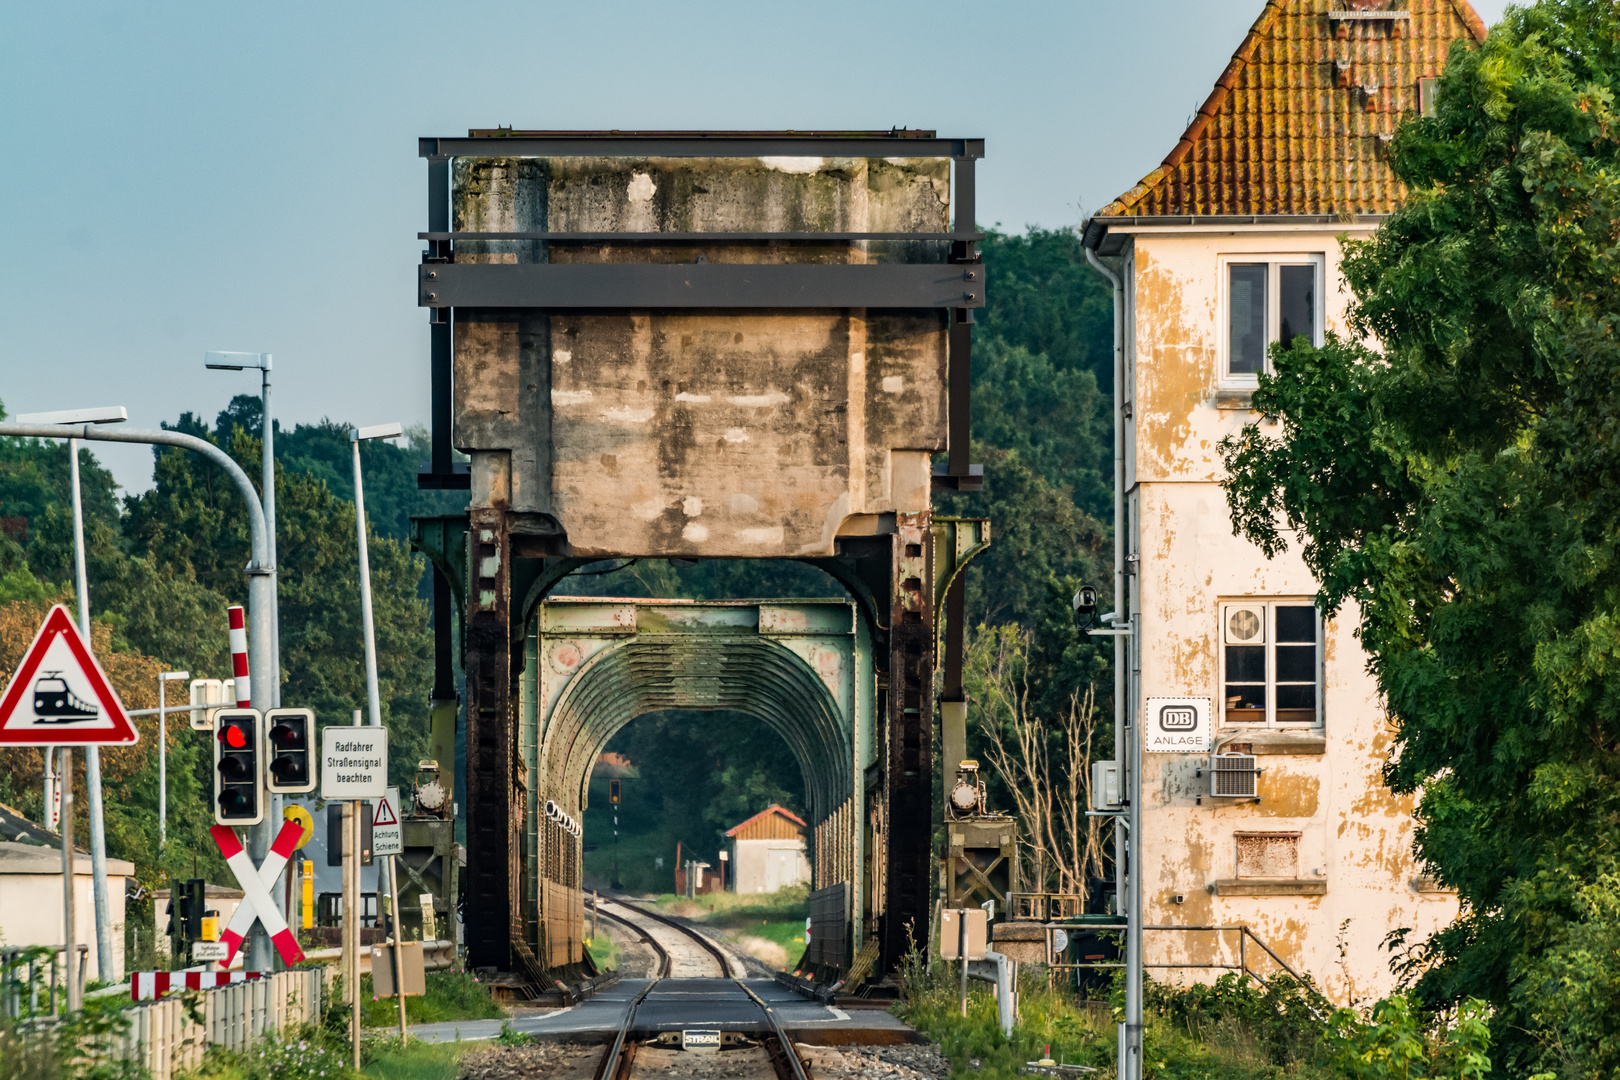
[[261, 575], [1127, 870]]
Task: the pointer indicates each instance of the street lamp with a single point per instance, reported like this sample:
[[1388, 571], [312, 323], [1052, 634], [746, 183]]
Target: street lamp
[[241, 361], [263, 834], [356, 437], [163, 753], [110, 414]]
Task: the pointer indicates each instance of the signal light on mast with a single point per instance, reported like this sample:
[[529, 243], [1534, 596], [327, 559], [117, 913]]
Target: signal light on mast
[[238, 767], [292, 753]]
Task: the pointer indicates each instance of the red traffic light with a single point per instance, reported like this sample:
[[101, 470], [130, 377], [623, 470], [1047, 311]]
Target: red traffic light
[[233, 736]]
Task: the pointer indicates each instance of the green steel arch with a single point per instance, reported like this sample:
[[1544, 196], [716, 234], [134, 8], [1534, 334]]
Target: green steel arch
[[592, 665]]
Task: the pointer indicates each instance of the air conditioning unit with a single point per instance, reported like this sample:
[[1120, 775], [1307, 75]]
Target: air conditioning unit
[[1233, 776], [1105, 786]]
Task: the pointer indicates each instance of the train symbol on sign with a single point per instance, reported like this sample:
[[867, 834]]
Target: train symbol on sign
[[55, 703], [1178, 718]]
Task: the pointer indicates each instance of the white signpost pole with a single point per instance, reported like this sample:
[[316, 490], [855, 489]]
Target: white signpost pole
[[388, 839], [354, 769], [68, 912]]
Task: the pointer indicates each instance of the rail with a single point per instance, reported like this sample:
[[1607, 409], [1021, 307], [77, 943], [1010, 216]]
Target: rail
[[620, 1053]]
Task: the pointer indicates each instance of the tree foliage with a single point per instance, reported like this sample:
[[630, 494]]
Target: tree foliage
[[163, 567], [1459, 490]]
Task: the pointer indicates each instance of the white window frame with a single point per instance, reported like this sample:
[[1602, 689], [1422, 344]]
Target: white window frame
[[1270, 603], [1274, 261]]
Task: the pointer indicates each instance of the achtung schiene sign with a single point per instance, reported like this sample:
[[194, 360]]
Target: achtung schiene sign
[[1177, 725], [354, 763]]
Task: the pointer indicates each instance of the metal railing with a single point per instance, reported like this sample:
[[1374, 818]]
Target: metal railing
[[1244, 936], [28, 972]]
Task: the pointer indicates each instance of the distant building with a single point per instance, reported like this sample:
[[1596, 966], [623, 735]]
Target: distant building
[[767, 852], [1229, 246], [31, 891]]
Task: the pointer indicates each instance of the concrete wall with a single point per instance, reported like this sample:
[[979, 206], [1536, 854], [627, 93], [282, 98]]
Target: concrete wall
[[1321, 782], [31, 902], [750, 860], [752, 434]]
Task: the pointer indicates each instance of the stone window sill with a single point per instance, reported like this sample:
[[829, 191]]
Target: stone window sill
[[1258, 887], [1234, 399], [1262, 741]]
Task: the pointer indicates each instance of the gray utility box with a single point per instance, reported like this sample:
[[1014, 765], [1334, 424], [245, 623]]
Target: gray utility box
[[1106, 786]]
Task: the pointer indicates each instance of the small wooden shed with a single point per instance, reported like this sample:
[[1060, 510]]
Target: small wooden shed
[[768, 851]]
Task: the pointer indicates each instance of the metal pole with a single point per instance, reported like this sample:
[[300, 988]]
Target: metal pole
[[365, 591], [961, 953], [92, 754], [163, 766], [399, 959], [261, 574], [1125, 737], [69, 901], [385, 872], [351, 904], [268, 491]]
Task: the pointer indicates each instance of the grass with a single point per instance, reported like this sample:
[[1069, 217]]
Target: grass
[[415, 1061], [777, 917], [451, 995], [1181, 1042], [603, 951]]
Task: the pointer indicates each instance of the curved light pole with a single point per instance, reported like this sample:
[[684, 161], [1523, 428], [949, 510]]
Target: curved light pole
[[261, 575]]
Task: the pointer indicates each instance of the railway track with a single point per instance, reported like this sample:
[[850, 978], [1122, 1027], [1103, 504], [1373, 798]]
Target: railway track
[[675, 953]]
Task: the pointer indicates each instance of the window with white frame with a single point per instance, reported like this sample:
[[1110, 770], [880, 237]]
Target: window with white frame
[[1271, 663], [1269, 298]]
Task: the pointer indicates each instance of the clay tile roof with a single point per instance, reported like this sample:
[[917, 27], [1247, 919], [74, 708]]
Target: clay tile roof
[[1298, 121], [771, 809]]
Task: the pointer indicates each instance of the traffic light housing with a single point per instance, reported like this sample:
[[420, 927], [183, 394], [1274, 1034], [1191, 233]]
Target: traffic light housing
[[179, 893], [613, 792], [291, 735], [238, 767], [196, 900]]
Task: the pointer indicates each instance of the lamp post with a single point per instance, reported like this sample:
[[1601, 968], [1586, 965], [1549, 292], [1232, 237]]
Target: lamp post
[[113, 414], [374, 706], [241, 361], [164, 680], [262, 835]]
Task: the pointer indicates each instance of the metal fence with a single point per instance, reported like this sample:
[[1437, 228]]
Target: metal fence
[[32, 981], [164, 1036]]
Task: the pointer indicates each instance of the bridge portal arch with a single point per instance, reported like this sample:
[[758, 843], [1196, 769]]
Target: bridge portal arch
[[805, 668]]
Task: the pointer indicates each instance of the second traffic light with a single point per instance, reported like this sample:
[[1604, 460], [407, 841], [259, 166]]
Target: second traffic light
[[238, 767], [292, 756]]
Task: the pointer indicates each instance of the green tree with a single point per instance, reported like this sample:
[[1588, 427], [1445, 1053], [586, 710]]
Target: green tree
[[1459, 490], [1045, 298], [191, 526]]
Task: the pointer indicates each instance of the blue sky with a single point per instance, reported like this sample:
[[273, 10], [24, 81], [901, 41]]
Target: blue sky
[[185, 177]]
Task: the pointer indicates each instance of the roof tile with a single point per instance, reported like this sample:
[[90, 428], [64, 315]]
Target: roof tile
[[1296, 122]]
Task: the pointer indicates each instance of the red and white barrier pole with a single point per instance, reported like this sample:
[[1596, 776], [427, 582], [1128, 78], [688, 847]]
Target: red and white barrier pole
[[239, 655]]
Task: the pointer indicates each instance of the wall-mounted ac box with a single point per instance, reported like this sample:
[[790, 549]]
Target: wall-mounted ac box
[[1234, 776], [1106, 789]]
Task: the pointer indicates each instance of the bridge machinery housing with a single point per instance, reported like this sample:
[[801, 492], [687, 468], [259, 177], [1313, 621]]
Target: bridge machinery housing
[[699, 345]]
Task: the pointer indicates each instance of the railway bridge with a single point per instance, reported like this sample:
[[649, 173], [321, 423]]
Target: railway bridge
[[699, 345]]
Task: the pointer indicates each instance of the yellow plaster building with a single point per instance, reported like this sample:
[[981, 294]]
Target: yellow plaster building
[[1233, 243]]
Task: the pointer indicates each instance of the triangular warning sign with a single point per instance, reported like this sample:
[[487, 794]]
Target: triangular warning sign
[[59, 696], [384, 814]]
